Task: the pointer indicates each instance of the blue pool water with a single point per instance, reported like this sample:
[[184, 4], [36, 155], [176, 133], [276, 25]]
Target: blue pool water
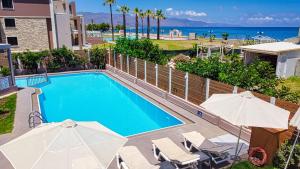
[[96, 97]]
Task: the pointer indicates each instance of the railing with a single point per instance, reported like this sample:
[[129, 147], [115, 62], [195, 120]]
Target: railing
[[37, 79], [187, 86], [33, 117]]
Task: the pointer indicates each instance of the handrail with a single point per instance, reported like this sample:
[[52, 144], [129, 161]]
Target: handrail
[[31, 118], [37, 79]]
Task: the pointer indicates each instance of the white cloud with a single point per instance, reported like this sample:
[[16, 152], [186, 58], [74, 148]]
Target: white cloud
[[186, 13], [169, 9], [261, 19]]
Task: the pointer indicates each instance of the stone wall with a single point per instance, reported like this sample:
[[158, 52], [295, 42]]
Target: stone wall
[[32, 34], [3, 60]]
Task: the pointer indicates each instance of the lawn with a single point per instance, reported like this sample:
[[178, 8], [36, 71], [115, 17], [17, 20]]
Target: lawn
[[175, 44], [7, 113], [247, 165], [293, 83]]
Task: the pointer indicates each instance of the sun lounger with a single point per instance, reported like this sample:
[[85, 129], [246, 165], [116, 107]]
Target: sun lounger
[[218, 153], [167, 150], [131, 158]]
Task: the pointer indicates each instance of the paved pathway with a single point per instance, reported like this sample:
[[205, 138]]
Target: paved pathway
[[23, 108]]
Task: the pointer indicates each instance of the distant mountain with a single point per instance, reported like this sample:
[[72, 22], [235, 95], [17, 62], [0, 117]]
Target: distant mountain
[[176, 22]]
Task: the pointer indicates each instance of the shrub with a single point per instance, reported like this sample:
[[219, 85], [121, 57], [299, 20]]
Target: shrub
[[283, 153], [98, 57], [5, 71], [143, 49], [30, 60], [63, 58], [258, 76]]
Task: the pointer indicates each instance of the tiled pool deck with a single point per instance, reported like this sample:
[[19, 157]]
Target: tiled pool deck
[[142, 141]]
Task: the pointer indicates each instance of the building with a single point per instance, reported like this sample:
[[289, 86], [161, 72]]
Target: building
[[26, 24], [40, 24], [70, 26], [284, 56]]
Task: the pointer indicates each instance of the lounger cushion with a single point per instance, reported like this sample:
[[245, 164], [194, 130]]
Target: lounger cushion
[[201, 143], [134, 159], [173, 152]]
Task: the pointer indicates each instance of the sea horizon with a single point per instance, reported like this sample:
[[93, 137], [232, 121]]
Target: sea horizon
[[243, 32]]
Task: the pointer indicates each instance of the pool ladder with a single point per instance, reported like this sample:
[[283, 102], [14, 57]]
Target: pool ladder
[[33, 116], [37, 79]]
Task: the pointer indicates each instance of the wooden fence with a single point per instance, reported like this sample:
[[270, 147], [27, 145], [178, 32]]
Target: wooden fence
[[195, 89]]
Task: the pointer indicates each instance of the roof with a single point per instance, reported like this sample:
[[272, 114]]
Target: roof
[[272, 48], [4, 46], [263, 38]]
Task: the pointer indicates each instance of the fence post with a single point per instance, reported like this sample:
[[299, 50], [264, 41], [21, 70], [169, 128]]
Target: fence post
[[186, 85], [127, 63], [109, 55], [273, 100], [115, 59], [156, 75], [135, 62], [121, 62], [170, 80], [207, 83], [145, 71], [235, 90]]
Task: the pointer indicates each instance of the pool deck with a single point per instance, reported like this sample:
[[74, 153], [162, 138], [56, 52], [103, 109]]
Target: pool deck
[[23, 108], [25, 104]]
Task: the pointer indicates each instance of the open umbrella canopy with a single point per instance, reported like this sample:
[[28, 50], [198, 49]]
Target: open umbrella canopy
[[244, 109], [69, 144], [295, 121]]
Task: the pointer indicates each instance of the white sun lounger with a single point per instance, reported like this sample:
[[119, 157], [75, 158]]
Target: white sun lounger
[[131, 158], [167, 150], [218, 153]]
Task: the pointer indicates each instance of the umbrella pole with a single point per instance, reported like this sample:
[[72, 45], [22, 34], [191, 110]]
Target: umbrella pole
[[290, 156], [235, 157], [238, 142]]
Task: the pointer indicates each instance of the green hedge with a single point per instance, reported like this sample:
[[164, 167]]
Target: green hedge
[[143, 49]]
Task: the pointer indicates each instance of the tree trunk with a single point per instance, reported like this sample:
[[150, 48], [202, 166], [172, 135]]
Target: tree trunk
[[142, 27], [158, 29], [112, 23], [124, 24], [148, 27], [136, 26]]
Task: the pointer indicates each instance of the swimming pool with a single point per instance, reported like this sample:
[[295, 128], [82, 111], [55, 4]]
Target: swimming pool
[[97, 97]]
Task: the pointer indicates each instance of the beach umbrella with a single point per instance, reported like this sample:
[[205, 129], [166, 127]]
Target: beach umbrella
[[295, 122], [68, 144], [244, 109]]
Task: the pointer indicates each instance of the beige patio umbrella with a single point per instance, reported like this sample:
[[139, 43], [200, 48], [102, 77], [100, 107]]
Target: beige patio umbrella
[[295, 122], [244, 109], [65, 145]]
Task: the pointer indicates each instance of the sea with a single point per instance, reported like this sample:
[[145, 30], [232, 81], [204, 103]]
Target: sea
[[278, 33]]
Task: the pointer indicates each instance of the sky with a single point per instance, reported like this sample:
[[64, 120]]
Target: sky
[[238, 12]]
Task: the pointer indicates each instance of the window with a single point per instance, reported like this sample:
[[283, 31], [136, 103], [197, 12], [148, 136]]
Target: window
[[10, 22], [7, 4], [13, 41]]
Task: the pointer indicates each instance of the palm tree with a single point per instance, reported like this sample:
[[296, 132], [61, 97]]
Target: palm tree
[[225, 35], [149, 14], [159, 15], [124, 10], [136, 12], [142, 16], [110, 3]]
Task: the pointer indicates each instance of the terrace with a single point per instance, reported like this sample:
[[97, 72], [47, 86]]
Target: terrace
[[180, 93]]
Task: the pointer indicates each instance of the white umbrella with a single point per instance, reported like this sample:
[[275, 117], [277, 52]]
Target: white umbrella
[[295, 122], [244, 109], [69, 144]]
